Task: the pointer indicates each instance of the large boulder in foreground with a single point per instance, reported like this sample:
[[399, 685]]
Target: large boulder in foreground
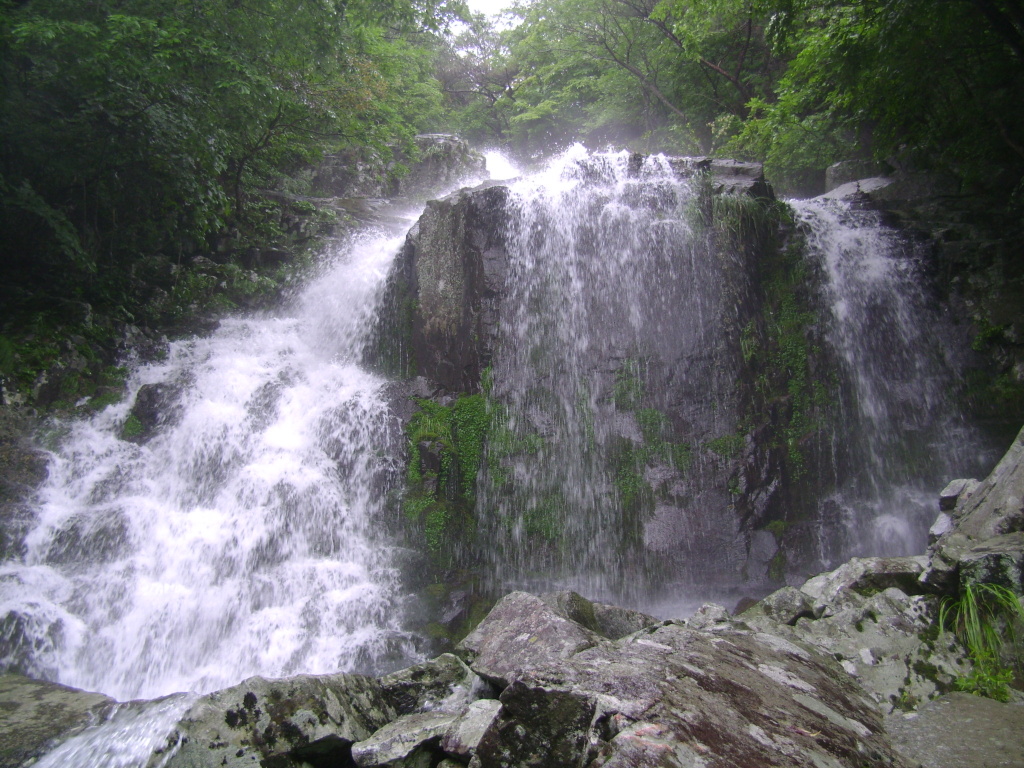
[[678, 697], [520, 633], [35, 716], [887, 641], [290, 722]]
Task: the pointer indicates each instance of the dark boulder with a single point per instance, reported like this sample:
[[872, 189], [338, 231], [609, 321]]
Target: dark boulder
[[677, 697], [449, 280], [281, 722], [155, 405]]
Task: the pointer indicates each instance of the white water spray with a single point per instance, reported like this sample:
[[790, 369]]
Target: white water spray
[[903, 432], [241, 539]]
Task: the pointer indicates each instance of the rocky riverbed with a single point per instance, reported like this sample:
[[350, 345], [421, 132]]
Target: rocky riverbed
[[848, 669]]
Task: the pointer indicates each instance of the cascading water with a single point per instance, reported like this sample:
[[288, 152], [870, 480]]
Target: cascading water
[[902, 434], [242, 538], [634, 346], [606, 374]]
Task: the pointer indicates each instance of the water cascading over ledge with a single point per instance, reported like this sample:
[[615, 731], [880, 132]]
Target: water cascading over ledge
[[634, 384], [898, 357], [237, 532]]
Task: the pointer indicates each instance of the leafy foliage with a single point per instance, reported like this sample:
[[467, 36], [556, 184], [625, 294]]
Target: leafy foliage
[[134, 127], [798, 84]]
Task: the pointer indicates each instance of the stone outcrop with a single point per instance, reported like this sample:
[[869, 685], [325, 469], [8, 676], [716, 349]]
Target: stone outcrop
[[451, 303], [887, 640], [450, 277], [983, 541], [280, 722], [36, 715]]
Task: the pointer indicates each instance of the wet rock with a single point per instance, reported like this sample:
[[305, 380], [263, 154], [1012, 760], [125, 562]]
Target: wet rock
[[410, 741], [943, 524], [734, 177], [609, 621], [730, 177], [81, 537], [521, 632], [961, 730], [784, 606], [35, 716], [280, 722], [155, 405], [859, 190], [464, 735], [573, 606], [997, 505], [844, 172], [994, 508], [680, 697], [865, 575], [887, 641], [949, 495], [708, 616], [444, 683], [537, 727], [615, 623], [452, 273], [999, 560]]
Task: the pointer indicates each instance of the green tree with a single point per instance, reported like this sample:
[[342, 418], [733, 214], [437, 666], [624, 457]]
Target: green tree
[[937, 83], [478, 78], [672, 74], [132, 127]]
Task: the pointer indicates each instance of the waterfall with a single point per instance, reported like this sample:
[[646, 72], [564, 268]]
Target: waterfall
[[244, 537], [647, 447], [608, 373], [902, 435], [248, 534]]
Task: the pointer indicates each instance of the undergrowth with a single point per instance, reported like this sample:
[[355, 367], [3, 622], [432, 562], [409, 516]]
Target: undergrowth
[[985, 618]]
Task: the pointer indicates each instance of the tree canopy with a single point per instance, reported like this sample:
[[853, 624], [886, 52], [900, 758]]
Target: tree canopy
[[131, 127], [134, 127], [796, 83]]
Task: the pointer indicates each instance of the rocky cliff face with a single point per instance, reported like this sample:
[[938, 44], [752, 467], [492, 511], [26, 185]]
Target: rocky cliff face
[[671, 397]]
